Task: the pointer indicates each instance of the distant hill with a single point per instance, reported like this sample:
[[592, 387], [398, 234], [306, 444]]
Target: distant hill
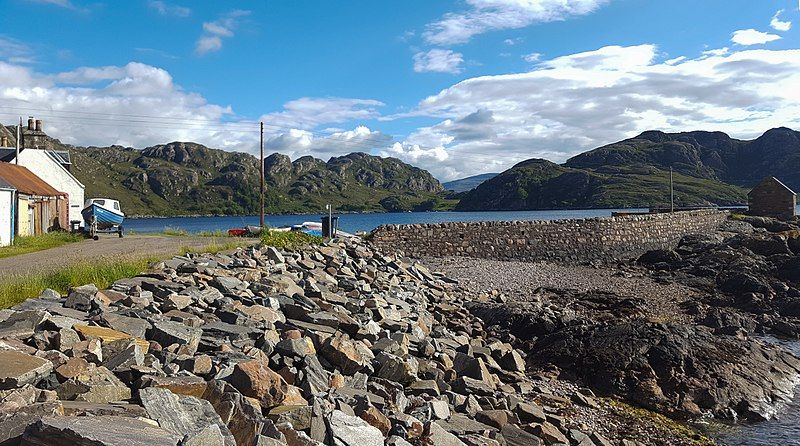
[[185, 178], [182, 178], [468, 183], [710, 168]]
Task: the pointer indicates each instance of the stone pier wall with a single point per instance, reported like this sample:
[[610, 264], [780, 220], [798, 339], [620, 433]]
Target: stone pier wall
[[619, 237]]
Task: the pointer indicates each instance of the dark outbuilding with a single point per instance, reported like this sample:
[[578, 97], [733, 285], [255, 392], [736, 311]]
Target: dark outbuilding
[[772, 198]]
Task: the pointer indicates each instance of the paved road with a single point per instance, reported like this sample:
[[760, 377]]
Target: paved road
[[108, 247]]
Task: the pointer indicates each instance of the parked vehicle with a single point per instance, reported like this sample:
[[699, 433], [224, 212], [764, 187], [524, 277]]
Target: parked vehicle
[[103, 215]]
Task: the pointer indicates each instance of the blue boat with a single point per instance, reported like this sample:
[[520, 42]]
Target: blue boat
[[102, 215]]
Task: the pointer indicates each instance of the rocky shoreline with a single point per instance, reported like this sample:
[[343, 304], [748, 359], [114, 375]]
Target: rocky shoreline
[[343, 345]]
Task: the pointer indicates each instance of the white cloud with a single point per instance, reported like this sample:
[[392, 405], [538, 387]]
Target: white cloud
[[512, 42], [779, 25], [438, 60], [167, 9], [61, 3], [747, 37], [213, 32], [532, 57], [140, 105], [308, 113], [490, 15], [297, 143], [717, 52], [15, 51], [581, 101]]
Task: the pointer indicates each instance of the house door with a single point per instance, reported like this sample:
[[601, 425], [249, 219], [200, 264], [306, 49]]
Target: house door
[[31, 220]]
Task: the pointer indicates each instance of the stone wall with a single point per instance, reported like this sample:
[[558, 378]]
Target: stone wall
[[618, 237]]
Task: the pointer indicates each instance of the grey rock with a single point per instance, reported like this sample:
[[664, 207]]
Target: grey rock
[[97, 431], [167, 333], [82, 298], [18, 369], [347, 430], [182, 415]]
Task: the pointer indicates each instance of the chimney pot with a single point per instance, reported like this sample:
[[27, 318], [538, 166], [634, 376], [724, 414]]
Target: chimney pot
[[4, 141], [38, 125], [30, 123]]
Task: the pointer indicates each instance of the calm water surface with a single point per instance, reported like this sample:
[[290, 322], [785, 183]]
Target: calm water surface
[[354, 222]]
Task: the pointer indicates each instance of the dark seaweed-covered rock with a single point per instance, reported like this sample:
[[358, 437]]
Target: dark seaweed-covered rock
[[675, 369]]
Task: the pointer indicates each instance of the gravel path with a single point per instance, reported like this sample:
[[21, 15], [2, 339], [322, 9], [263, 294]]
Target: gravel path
[[129, 247], [519, 280]]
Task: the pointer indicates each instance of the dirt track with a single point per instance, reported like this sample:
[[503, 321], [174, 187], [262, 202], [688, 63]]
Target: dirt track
[[107, 247]]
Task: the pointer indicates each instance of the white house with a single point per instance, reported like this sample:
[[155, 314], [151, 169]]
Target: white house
[[53, 166], [7, 209]]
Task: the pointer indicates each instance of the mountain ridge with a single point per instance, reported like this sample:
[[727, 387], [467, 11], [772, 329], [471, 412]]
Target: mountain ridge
[[709, 168]]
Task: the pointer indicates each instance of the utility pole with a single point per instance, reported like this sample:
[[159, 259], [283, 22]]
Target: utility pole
[[19, 137], [261, 169], [671, 192]]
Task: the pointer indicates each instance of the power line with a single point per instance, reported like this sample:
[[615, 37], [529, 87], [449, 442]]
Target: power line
[[156, 120], [361, 144]]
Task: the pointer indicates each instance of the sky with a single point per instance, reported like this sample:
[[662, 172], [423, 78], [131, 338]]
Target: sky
[[455, 87]]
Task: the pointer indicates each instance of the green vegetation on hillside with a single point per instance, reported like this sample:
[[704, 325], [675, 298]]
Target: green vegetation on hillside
[[191, 179]]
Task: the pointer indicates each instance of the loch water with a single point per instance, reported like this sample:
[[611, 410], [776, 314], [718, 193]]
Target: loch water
[[355, 222]]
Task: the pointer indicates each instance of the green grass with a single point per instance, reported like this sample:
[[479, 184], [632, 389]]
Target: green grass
[[217, 233], [175, 232], [289, 239], [14, 290], [33, 243]]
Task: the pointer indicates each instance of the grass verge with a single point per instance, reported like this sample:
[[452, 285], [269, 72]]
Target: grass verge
[[33, 243], [289, 239], [14, 290], [102, 273]]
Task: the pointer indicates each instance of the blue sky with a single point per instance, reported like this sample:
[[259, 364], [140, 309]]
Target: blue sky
[[456, 87]]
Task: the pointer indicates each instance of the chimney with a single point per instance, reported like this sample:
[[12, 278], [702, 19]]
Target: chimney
[[3, 141], [30, 123], [38, 125]]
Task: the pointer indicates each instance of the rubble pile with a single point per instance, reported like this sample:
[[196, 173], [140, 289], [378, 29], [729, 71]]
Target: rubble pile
[[335, 345]]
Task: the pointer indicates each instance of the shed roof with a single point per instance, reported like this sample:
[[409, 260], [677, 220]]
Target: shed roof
[[4, 185], [25, 181], [774, 180]]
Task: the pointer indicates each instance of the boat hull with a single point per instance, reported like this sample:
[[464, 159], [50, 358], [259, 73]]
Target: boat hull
[[104, 218]]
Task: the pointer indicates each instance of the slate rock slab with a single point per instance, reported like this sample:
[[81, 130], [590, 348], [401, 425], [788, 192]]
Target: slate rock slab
[[18, 369], [182, 415], [96, 431], [348, 430]]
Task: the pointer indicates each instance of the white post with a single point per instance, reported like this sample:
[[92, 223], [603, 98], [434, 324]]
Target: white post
[[330, 220]]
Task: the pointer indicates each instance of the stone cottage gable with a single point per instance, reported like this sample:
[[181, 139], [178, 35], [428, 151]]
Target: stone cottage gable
[[772, 198]]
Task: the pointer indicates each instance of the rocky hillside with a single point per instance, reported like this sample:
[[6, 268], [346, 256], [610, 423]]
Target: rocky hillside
[[710, 167], [468, 183], [183, 178]]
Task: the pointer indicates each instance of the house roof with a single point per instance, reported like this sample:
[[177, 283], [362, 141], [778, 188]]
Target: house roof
[[7, 153], [772, 180], [4, 185], [25, 181]]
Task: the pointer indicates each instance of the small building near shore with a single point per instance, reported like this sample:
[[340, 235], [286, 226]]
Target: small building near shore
[[37, 207], [45, 159], [8, 195], [772, 198]]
